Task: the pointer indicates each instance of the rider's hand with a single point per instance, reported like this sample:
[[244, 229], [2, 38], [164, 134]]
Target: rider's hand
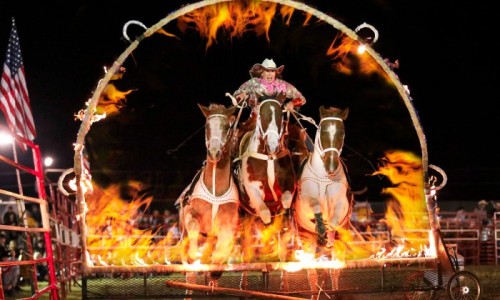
[[240, 97], [289, 106]]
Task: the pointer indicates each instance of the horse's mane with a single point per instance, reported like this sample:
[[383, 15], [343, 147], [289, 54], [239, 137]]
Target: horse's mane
[[216, 108], [333, 111]]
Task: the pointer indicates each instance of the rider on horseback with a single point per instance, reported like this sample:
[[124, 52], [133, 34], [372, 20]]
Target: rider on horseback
[[266, 82]]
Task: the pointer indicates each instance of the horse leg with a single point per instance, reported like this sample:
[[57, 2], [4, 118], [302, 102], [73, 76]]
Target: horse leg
[[286, 201], [338, 220], [193, 230], [320, 229], [318, 218], [257, 203], [223, 249]]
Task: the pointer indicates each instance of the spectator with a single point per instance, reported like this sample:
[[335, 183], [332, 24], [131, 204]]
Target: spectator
[[39, 246], [30, 221], [460, 219], [496, 208], [155, 219], [25, 272], [42, 271], [167, 218], [482, 212], [36, 213], [143, 223], [10, 274], [3, 245], [10, 216]]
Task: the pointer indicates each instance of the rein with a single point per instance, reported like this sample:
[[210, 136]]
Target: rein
[[235, 103]]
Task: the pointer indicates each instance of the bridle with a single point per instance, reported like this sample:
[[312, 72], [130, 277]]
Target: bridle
[[322, 152], [226, 133], [269, 131]]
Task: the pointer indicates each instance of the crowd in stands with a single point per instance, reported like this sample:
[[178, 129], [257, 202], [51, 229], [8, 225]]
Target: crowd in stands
[[13, 247], [480, 217], [165, 226]]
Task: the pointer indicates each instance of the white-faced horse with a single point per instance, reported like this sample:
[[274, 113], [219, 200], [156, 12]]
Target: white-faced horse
[[324, 202], [210, 205]]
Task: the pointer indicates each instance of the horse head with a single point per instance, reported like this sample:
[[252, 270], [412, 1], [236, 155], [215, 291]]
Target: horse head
[[330, 137], [219, 120], [270, 125]]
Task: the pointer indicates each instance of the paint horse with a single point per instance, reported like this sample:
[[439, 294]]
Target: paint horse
[[209, 206], [324, 202], [266, 173], [267, 187]]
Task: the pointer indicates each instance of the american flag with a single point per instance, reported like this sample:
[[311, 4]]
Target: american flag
[[14, 99]]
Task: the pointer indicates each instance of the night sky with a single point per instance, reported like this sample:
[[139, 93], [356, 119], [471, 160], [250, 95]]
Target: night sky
[[446, 49]]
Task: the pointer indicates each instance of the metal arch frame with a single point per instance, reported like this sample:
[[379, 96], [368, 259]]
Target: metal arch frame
[[92, 103]]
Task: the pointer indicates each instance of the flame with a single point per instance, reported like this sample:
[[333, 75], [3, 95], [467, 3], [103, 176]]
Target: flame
[[347, 60], [406, 214], [235, 19], [117, 240], [111, 100], [406, 218]]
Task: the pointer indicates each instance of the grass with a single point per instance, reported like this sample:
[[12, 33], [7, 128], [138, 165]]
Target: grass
[[488, 275]]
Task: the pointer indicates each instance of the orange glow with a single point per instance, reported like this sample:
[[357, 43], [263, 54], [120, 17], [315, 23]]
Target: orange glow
[[346, 58], [235, 18], [113, 237], [406, 214], [111, 100]]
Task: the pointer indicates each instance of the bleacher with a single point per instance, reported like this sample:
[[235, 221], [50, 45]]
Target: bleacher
[[477, 243]]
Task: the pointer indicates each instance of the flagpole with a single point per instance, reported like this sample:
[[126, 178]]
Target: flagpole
[[18, 173]]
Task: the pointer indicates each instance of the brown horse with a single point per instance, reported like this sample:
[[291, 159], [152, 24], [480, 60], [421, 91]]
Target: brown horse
[[267, 184], [266, 171], [209, 212]]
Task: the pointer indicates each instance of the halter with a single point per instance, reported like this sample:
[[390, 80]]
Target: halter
[[322, 151], [223, 140]]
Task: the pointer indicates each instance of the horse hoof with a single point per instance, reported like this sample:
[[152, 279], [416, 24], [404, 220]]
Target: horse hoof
[[286, 225], [265, 216]]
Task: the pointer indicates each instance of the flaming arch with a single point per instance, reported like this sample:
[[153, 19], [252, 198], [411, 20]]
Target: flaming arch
[[221, 24]]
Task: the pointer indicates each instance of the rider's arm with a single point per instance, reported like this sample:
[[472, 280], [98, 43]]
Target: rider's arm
[[247, 91], [297, 98]]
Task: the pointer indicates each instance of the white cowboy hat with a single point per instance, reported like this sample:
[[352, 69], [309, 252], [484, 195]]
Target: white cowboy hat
[[267, 64], [482, 202]]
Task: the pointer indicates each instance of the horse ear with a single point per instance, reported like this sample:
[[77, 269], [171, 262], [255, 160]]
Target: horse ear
[[321, 110], [204, 110], [345, 113]]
